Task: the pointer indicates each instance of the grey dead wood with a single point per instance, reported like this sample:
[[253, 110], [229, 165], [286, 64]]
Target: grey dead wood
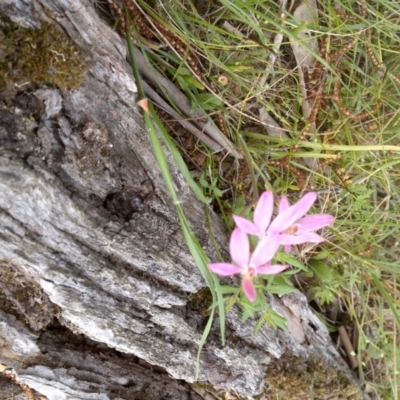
[[97, 284]]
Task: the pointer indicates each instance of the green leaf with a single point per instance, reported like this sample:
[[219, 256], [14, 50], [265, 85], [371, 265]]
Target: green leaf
[[207, 101], [238, 205], [217, 192], [179, 160], [228, 289], [322, 271], [301, 27], [190, 80], [281, 289], [203, 182], [325, 296], [286, 258], [271, 318], [279, 284]]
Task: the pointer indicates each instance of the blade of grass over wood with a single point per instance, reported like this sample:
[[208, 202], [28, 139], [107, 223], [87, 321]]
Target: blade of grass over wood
[[195, 248], [179, 160]]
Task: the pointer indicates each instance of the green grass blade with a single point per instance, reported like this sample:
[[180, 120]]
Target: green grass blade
[[194, 246]]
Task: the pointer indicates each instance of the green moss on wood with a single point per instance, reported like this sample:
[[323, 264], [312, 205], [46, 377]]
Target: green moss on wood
[[296, 378], [39, 56], [201, 302]]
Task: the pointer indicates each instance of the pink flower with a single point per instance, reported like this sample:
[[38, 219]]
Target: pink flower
[[249, 266], [144, 104], [293, 227], [262, 216]]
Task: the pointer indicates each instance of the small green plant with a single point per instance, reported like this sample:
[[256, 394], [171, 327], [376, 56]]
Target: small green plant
[[244, 53], [210, 186]]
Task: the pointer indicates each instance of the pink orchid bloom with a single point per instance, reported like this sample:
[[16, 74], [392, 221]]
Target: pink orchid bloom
[[294, 227], [262, 216], [249, 267]]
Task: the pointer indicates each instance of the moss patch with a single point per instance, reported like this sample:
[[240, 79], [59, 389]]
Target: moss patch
[[299, 379], [21, 297], [295, 378], [42, 56]]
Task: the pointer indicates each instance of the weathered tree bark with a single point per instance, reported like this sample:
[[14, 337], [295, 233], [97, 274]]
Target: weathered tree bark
[[100, 298]]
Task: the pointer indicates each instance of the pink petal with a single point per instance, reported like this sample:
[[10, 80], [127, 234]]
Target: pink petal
[[246, 226], [264, 251], [239, 248], [283, 204], [316, 221], [249, 289], [224, 269], [288, 217], [280, 223], [144, 104], [271, 269], [303, 205], [287, 248], [300, 237], [263, 211], [311, 236]]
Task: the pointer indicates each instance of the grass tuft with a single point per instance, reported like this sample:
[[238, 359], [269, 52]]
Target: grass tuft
[[234, 60]]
